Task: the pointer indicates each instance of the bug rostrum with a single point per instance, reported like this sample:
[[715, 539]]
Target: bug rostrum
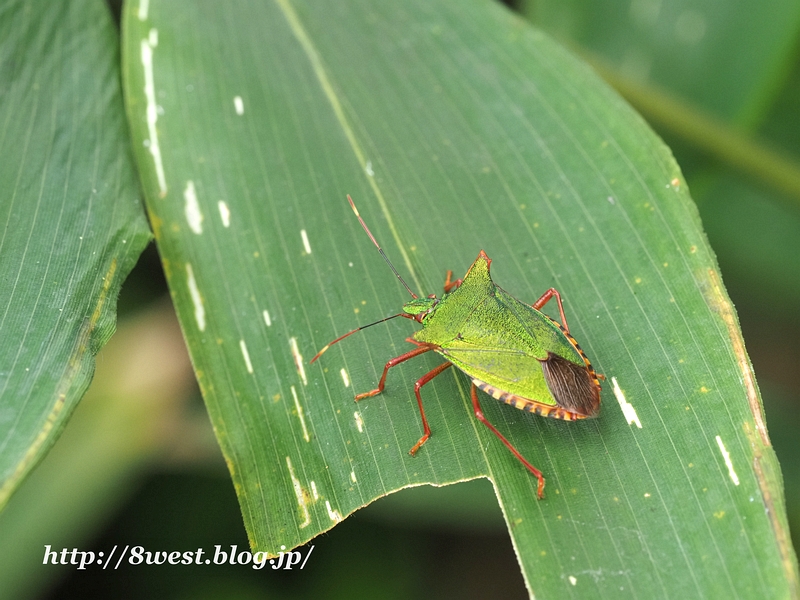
[[509, 349]]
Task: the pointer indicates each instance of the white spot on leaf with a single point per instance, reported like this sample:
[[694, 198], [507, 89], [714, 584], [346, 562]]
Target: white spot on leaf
[[333, 514], [306, 244], [298, 359], [224, 213], [238, 104], [300, 415], [197, 299], [192, 209], [151, 111], [246, 356], [627, 408], [728, 462], [298, 492], [359, 422]]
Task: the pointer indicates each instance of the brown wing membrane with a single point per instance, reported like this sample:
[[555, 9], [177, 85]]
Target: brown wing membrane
[[573, 386]]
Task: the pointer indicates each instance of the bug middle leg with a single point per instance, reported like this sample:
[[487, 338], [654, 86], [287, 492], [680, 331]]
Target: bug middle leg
[[421, 349], [417, 386], [545, 298], [479, 415]]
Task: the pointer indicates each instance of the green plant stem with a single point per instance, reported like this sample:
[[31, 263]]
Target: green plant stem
[[732, 148]]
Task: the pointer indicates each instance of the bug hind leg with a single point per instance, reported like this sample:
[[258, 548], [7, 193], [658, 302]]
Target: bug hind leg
[[479, 415], [545, 298], [450, 285]]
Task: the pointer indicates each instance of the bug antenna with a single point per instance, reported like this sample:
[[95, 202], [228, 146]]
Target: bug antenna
[[383, 254], [340, 338]]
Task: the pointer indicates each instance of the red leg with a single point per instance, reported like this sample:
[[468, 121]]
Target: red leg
[[479, 414], [451, 285], [394, 362], [420, 382], [546, 298]]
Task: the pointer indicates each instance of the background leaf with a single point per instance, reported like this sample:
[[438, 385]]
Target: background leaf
[[71, 217], [673, 44], [459, 130]]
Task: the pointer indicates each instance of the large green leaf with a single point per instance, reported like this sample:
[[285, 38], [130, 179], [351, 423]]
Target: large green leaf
[[71, 218], [456, 128]]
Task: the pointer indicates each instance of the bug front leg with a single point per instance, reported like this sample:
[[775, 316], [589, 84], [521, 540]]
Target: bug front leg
[[421, 349], [417, 386], [545, 298], [479, 415]]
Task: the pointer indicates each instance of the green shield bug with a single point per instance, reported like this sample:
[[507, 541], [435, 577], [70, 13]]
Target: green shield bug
[[509, 349]]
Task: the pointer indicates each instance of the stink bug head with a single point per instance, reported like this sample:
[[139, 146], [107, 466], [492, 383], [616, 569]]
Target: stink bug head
[[419, 308]]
